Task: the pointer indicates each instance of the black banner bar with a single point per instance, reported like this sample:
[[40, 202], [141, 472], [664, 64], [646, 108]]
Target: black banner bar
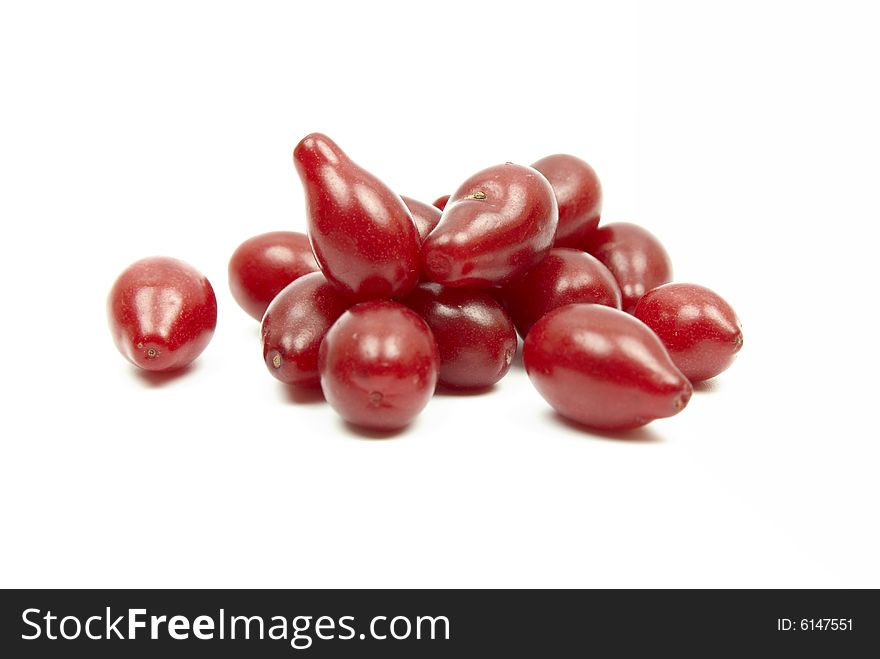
[[437, 623]]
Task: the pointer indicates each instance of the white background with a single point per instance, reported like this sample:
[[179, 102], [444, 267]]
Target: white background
[[746, 137]]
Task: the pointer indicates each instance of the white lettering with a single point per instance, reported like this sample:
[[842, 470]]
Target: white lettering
[[155, 621], [373, 628], [134, 623], [394, 622], [89, 628], [24, 618], [112, 627], [203, 628], [77, 625], [178, 628]]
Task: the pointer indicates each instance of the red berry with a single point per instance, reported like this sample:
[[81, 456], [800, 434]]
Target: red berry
[[379, 365], [498, 224], [565, 276], [261, 266], [635, 257], [363, 235], [603, 368], [474, 335], [425, 216], [698, 327], [162, 313], [579, 195], [295, 324], [440, 202]]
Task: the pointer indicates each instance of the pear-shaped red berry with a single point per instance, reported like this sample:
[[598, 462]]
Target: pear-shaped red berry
[[362, 234], [698, 327], [603, 368], [162, 313], [496, 226]]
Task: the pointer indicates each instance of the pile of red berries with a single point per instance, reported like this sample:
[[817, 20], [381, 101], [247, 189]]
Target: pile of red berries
[[387, 297]]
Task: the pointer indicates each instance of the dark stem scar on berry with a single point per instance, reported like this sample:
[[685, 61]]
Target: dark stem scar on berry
[[152, 352], [276, 360], [375, 398], [479, 195]]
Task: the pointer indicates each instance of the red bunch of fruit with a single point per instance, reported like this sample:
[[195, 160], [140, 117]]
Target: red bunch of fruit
[[387, 297]]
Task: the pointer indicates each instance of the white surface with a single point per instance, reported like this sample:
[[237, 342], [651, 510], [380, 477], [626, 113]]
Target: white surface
[[746, 138]]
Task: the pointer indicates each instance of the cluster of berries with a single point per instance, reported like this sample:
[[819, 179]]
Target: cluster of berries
[[387, 297]]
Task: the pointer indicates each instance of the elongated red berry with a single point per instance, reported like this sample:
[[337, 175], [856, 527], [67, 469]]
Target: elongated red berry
[[496, 226], [362, 234], [162, 313], [698, 327], [603, 368]]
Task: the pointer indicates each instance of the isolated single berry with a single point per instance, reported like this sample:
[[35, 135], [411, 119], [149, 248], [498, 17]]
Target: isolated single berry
[[162, 313]]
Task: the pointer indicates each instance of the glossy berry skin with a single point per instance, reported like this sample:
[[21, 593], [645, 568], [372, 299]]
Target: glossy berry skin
[[603, 368], [362, 234], [295, 324], [474, 334], [565, 276], [261, 266], [698, 327], [162, 313], [440, 202], [635, 257], [497, 225], [424, 215], [578, 194], [379, 365]]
